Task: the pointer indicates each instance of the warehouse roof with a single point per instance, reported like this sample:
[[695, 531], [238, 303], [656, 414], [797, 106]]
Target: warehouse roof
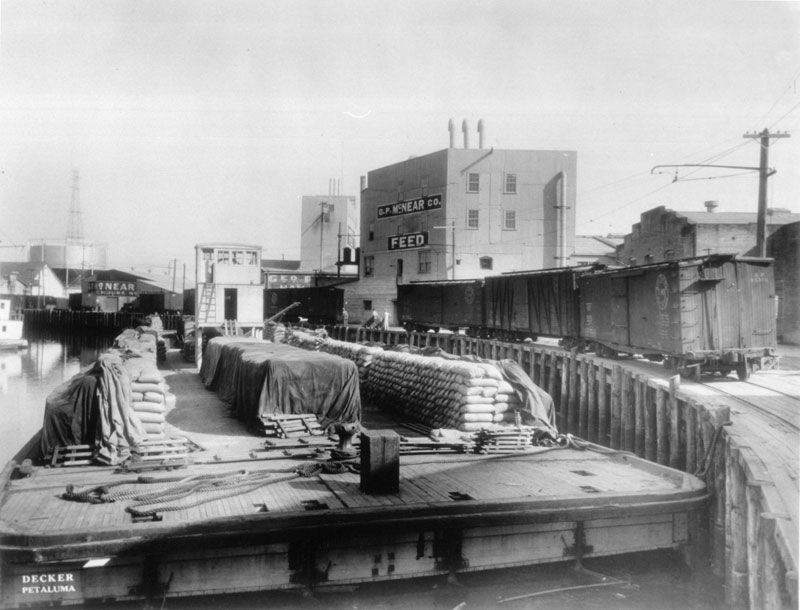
[[774, 217]]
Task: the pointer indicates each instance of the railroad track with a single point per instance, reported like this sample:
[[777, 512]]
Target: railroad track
[[789, 415]]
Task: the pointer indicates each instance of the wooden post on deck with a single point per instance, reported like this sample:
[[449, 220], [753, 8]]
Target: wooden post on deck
[[626, 416], [662, 457], [380, 462], [638, 416]]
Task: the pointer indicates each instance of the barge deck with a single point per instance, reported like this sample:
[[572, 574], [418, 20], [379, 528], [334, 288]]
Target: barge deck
[[455, 512]]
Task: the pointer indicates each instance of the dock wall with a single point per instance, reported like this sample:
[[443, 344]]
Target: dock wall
[[91, 321], [612, 404]]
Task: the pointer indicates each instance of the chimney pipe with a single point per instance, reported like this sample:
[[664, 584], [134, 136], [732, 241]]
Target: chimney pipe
[[711, 205], [465, 129], [451, 127], [481, 133]]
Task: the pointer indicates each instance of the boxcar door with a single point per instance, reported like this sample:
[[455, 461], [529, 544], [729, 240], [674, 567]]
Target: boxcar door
[[620, 324], [756, 303]]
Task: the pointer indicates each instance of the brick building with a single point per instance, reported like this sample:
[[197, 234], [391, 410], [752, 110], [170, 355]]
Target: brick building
[[664, 234], [462, 213]]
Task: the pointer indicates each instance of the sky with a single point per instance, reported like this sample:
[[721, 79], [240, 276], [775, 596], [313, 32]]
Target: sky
[[194, 121]]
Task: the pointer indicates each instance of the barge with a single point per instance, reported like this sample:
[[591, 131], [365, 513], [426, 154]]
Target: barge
[[277, 513]]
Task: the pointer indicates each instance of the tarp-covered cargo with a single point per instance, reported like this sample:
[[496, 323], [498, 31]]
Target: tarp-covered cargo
[[259, 379]]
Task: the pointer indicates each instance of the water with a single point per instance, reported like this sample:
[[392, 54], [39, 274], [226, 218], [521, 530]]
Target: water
[[28, 375]]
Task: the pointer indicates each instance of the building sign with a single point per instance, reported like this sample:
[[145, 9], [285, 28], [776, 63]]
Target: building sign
[[113, 289], [409, 240], [289, 280], [410, 206]]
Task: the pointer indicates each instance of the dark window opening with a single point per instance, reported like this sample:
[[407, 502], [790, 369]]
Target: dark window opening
[[367, 304], [486, 262]]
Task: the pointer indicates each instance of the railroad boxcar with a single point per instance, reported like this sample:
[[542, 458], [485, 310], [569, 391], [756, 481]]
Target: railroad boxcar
[[445, 304], [318, 304], [535, 303], [714, 313]]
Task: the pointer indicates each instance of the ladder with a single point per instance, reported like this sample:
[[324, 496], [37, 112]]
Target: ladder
[[207, 310]]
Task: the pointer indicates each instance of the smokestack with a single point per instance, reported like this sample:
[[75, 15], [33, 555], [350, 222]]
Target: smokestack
[[711, 205], [451, 127], [465, 129], [481, 133]]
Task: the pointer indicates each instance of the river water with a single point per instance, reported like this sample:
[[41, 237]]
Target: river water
[[28, 375], [649, 580]]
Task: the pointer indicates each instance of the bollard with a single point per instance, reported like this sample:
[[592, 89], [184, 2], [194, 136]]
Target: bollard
[[380, 462]]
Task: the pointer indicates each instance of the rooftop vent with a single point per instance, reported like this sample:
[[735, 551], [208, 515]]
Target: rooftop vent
[[711, 205]]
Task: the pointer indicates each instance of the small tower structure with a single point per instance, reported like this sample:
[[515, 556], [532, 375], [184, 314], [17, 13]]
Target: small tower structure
[[230, 292]]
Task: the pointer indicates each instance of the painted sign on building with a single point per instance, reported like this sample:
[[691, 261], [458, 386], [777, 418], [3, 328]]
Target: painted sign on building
[[410, 206], [289, 280], [409, 240], [112, 289]]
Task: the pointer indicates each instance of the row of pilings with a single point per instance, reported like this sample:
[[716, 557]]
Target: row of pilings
[[615, 405], [92, 322]]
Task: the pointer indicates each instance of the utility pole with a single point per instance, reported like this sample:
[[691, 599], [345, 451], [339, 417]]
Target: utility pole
[[763, 173], [339, 251]]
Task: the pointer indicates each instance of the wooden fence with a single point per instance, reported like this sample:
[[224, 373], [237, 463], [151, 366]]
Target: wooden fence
[[613, 404]]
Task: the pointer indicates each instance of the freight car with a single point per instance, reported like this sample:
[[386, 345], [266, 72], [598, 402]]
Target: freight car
[[715, 313], [445, 304], [530, 304], [318, 305]]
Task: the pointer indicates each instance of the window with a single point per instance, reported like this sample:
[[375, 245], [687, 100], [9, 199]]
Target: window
[[369, 265], [473, 183], [399, 267], [511, 183], [472, 219], [238, 257], [223, 256], [371, 231], [486, 262], [424, 262], [367, 304], [510, 223], [252, 259]]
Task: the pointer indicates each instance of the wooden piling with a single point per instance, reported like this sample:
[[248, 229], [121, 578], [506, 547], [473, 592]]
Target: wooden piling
[[674, 422], [650, 432], [552, 373], [572, 402], [591, 407], [583, 399], [602, 407], [736, 534], [626, 412], [564, 396], [690, 415], [638, 416], [662, 453], [616, 407]]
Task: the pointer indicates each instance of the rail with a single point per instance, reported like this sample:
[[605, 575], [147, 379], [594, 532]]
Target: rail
[[614, 405]]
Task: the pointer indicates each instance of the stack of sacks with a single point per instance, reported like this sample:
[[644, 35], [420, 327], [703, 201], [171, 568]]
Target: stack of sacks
[[149, 397], [275, 332], [506, 403], [362, 355], [438, 392]]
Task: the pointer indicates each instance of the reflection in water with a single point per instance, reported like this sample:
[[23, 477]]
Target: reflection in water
[[27, 376]]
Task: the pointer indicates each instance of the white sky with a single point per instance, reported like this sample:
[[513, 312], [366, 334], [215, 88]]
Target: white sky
[[207, 121]]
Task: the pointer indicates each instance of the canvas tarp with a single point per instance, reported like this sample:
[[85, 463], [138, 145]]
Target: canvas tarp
[[258, 379], [94, 408]]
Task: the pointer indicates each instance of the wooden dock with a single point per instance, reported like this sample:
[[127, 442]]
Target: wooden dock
[[742, 437]]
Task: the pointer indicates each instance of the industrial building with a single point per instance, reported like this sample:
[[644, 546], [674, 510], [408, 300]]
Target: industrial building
[[328, 225], [664, 234], [462, 213]]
